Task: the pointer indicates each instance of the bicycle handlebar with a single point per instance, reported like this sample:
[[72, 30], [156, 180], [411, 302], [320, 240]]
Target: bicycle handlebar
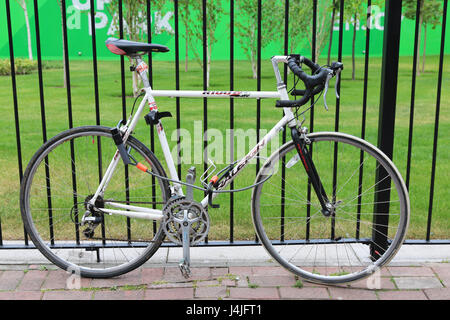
[[313, 83]]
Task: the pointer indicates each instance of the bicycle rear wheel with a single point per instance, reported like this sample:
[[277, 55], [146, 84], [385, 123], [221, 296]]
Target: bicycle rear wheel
[[369, 199], [59, 181]]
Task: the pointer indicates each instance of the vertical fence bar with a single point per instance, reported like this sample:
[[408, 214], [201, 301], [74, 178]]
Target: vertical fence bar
[[122, 64], [258, 79], [41, 85], [15, 103], [413, 93], [231, 116], [149, 40], [124, 115], [336, 120], [363, 117], [177, 86], [152, 128], [14, 91], [311, 119], [283, 168], [96, 96], [313, 50], [386, 124], [333, 19], [43, 118], [94, 65], [70, 117], [436, 122], [341, 36], [205, 87]]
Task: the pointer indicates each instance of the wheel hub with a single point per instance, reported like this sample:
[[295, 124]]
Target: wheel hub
[[331, 208]]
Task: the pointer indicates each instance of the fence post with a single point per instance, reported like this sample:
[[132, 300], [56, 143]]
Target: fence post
[[386, 122]]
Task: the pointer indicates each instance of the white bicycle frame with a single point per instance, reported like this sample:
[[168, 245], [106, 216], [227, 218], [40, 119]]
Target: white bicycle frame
[[142, 69]]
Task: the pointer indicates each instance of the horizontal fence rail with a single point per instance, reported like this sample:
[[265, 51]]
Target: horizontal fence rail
[[388, 92]]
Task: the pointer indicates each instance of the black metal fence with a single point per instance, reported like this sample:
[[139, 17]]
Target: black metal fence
[[388, 90]]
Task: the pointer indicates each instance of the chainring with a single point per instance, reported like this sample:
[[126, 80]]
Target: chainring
[[197, 217]]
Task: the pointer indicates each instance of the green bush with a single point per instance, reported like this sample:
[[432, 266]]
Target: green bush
[[52, 64], [21, 66]]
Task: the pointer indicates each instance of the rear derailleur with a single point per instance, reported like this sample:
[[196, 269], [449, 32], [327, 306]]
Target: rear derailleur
[[92, 216]]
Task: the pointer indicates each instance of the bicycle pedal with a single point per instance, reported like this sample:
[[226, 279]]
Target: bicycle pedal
[[185, 270]]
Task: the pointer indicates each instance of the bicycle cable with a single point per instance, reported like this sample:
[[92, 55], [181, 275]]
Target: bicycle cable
[[200, 188], [206, 190], [296, 80]]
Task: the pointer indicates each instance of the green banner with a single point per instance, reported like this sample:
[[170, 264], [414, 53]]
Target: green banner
[[163, 24]]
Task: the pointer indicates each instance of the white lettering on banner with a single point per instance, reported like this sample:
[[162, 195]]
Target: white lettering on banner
[[113, 26], [87, 5], [163, 24], [73, 18], [101, 4], [98, 24], [373, 22], [81, 6]]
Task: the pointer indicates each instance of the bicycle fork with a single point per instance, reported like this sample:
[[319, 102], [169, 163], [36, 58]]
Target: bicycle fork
[[301, 141]]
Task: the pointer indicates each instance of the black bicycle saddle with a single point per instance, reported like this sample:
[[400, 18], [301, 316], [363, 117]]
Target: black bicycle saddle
[[126, 47]]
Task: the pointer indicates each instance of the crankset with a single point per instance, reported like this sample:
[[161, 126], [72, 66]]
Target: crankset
[[185, 222]]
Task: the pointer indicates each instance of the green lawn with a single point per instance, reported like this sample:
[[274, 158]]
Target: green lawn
[[83, 105]]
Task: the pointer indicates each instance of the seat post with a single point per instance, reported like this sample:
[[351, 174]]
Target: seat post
[[142, 70]]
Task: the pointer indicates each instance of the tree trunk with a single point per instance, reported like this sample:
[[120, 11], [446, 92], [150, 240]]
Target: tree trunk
[[25, 12], [424, 47], [135, 84], [208, 64], [254, 66], [353, 49], [331, 33], [187, 48], [253, 57], [135, 78]]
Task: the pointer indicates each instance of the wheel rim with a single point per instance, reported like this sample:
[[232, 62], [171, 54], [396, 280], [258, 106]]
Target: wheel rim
[[311, 245], [120, 243]]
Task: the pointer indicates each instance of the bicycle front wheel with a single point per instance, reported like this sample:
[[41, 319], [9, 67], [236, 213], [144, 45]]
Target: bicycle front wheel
[[369, 209], [57, 185]]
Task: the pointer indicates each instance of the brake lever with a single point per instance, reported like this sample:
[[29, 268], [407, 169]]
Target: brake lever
[[329, 76], [338, 74]]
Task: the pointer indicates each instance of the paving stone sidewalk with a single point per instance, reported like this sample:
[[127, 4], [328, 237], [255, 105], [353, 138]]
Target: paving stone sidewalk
[[35, 282]]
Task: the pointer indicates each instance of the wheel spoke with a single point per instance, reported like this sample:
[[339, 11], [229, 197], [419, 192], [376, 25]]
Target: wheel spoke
[[325, 251], [115, 244]]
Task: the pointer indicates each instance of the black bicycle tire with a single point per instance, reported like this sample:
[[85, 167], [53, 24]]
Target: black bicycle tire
[[34, 235], [389, 254]]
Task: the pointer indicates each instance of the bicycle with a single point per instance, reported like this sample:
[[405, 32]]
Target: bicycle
[[333, 182]]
